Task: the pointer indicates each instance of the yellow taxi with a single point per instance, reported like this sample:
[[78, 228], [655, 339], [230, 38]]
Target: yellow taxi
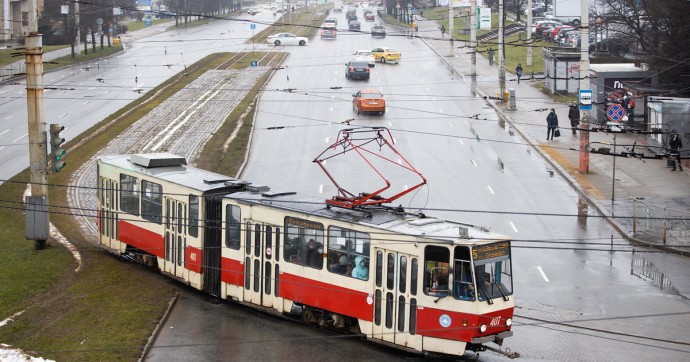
[[386, 55]]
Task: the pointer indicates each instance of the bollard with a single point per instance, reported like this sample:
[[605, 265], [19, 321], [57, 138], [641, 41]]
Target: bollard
[[510, 95]]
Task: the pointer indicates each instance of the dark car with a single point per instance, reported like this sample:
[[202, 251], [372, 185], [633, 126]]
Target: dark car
[[328, 33], [354, 25], [357, 70], [378, 31]]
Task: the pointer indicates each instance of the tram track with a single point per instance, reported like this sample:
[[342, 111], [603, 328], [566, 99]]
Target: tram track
[[228, 85]]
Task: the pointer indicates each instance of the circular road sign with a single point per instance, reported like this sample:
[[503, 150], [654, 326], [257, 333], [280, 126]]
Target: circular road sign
[[615, 112]]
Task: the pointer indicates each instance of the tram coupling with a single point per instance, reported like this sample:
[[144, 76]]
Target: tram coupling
[[506, 352]]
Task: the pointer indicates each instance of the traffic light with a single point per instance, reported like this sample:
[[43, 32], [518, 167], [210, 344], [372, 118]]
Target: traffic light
[[56, 153]]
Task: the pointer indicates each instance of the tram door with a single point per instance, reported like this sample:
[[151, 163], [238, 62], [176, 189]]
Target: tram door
[[109, 215], [175, 236], [259, 264], [395, 302]]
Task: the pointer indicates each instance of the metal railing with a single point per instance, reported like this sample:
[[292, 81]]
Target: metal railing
[[660, 224], [8, 72]]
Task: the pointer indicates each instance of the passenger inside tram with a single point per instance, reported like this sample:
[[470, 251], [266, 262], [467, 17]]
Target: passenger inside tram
[[361, 271]]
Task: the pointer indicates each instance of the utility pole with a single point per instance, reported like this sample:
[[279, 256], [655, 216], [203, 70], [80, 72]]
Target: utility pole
[[501, 55], [473, 35], [450, 28], [529, 35], [38, 155], [585, 117], [76, 24]]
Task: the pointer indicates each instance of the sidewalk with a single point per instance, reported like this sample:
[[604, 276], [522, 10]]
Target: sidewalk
[[649, 180]]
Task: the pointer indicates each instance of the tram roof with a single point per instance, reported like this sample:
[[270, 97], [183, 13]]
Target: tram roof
[[183, 175], [383, 218]]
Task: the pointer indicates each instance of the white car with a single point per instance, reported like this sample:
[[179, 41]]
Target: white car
[[286, 39], [365, 56]]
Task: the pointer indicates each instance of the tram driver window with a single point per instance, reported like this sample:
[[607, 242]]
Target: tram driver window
[[463, 287], [303, 242], [348, 252], [436, 270], [129, 194], [152, 202]]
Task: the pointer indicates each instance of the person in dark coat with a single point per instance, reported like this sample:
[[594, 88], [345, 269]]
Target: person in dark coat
[[574, 116], [676, 145], [518, 72], [491, 56], [443, 30], [551, 124]]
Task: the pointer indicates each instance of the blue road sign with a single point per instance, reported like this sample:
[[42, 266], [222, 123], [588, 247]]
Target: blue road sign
[[409, 5], [252, 26], [414, 11], [254, 63], [615, 112], [585, 100]]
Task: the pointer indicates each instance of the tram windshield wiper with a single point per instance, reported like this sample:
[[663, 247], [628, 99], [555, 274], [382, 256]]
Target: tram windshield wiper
[[486, 295]]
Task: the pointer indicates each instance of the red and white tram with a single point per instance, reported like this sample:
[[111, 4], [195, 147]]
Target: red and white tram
[[411, 281]]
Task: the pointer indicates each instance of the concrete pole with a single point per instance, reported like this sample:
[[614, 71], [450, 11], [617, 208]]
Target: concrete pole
[[38, 154], [585, 117], [501, 56], [529, 35], [76, 24], [473, 35], [451, 31]]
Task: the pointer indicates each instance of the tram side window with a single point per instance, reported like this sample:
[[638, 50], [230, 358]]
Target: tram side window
[[152, 202], [193, 215], [303, 243], [348, 252], [232, 227], [436, 270], [129, 194]]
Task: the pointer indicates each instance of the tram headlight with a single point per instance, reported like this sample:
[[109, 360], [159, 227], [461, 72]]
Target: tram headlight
[[482, 328], [509, 322]]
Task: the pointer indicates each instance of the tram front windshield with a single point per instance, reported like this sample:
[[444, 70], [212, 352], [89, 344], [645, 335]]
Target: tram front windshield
[[483, 275]]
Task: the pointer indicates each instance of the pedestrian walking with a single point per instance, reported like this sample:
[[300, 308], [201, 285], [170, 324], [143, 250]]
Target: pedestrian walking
[[551, 124], [491, 56], [518, 71], [443, 30], [676, 145], [574, 116]]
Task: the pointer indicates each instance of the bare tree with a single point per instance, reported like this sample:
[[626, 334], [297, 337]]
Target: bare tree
[[655, 32]]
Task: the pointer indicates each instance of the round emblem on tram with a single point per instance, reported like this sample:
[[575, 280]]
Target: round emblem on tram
[[444, 320]]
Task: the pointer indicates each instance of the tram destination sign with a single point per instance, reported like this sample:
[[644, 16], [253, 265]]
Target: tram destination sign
[[490, 251]]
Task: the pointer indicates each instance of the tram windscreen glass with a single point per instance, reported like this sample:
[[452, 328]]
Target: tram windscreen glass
[[493, 270]]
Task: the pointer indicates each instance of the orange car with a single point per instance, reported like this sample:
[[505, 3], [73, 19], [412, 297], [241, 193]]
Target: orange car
[[369, 100]]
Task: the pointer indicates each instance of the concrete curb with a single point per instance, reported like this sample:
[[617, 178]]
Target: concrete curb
[[157, 331]]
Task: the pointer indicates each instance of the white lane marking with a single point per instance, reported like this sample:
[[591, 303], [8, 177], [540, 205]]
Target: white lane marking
[[62, 115], [474, 163], [405, 187], [543, 274], [327, 139], [1, 92], [399, 161], [441, 110], [104, 92], [5, 131], [20, 138], [10, 116], [460, 140], [331, 109], [321, 188], [390, 123], [87, 102], [490, 189], [513, 226], [450, 124], [2, 148]]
